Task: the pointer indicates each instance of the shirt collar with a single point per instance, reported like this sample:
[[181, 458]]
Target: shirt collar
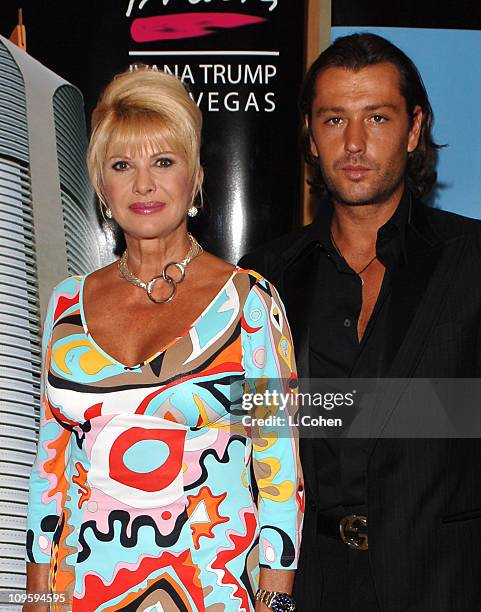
[[391, 237]]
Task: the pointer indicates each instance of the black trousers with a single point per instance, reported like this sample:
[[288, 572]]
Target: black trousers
[[347, 584]]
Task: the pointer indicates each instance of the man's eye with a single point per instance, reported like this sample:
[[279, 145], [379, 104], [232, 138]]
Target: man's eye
[[164, 162], [378, 119], [334, 121], [120, 165]]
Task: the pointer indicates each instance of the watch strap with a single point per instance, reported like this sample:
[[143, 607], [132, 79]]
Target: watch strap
[[267, 597]]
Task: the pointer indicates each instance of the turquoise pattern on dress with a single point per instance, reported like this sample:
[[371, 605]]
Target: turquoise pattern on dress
[[142, 492]]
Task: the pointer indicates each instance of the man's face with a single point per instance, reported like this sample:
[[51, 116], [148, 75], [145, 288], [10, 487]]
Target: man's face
[[362, 134]]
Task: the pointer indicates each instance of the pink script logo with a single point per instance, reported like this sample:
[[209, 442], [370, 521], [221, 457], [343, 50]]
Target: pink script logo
[[186, 25]]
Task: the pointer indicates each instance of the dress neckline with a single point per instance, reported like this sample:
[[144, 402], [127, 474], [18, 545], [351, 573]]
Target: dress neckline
[[166, 346]]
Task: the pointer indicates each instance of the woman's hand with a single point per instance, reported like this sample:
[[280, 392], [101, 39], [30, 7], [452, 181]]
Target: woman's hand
[[37, 582], [281, 581]]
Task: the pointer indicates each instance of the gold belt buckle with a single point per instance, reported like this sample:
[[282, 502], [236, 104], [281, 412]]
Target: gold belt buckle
[[353, 529]]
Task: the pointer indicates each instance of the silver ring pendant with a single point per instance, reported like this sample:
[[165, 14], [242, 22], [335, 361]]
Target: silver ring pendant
[[179, 266], [150, 288]]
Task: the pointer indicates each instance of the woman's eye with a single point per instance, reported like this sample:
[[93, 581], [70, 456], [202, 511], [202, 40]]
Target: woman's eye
[[120, 165], [334, 121], [164, 162]]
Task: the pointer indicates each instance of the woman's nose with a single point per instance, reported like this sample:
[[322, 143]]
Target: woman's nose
[[144, 182]]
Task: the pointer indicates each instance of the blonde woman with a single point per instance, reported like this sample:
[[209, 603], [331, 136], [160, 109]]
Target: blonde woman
[[141, 493]]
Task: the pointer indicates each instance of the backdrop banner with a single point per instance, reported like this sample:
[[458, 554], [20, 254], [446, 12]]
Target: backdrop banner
[[243, 62]]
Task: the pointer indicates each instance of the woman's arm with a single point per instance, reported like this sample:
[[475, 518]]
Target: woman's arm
[[47, 486], [269, 364], [275, 580]]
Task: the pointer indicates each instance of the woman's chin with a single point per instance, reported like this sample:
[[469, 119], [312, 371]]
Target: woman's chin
[[148, 232]]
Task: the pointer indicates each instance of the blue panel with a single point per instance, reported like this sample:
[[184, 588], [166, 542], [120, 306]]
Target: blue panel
[[449, 64]]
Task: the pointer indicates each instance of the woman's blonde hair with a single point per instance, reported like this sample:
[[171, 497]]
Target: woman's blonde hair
[[145, 108]]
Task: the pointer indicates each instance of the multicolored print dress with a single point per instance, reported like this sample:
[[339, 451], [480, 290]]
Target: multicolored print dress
[[141, 495]]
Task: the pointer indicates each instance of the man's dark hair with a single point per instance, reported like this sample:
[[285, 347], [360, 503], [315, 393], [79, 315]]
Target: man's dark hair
[[355, 52]]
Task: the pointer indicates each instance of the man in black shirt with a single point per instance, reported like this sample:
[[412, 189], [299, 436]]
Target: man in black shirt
[[381, 286]]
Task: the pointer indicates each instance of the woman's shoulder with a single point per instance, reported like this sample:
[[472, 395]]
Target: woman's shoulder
[[69, 285], [74, 282], [240, 285], [70, 288], [253, 278], [64, 299], [219, 267], [256, 288]]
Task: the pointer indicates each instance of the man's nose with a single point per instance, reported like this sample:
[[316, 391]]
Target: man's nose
[[144, 181], [355, 137]]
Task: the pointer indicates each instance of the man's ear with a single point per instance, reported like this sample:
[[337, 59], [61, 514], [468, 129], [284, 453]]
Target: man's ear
[[415, 130], [312, 144]]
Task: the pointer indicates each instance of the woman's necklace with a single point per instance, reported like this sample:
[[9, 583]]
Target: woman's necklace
[[360, 271], [195, 249]]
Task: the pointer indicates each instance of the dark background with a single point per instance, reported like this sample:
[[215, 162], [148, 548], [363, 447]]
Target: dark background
[[452, 14]]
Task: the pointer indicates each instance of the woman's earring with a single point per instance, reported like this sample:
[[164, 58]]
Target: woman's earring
[[104, 209], [192, 212]]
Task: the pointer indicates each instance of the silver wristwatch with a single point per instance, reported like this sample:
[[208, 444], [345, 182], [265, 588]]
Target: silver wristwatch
[[279, 602]]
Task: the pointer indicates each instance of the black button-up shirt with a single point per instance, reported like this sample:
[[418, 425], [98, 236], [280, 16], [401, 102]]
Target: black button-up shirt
[[335, 350]]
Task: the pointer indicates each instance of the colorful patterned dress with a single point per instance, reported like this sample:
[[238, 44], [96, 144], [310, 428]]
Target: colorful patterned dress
[[141, 495]]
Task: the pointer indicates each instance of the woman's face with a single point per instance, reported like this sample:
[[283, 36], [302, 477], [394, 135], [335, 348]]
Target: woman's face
[[148, 192]]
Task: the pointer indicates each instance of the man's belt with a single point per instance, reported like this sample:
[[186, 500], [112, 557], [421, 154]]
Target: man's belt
[[351, 529]]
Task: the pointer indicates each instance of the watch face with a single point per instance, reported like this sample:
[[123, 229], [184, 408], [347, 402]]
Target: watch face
[[282, 603]]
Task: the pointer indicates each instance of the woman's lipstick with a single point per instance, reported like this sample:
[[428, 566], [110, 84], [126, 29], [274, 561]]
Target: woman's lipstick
[[146, 208]]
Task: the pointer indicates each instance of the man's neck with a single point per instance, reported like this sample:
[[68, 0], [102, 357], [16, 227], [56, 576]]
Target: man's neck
[[356, 227]]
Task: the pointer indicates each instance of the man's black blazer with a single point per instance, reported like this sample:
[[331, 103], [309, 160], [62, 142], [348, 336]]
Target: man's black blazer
[[424, 495]]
